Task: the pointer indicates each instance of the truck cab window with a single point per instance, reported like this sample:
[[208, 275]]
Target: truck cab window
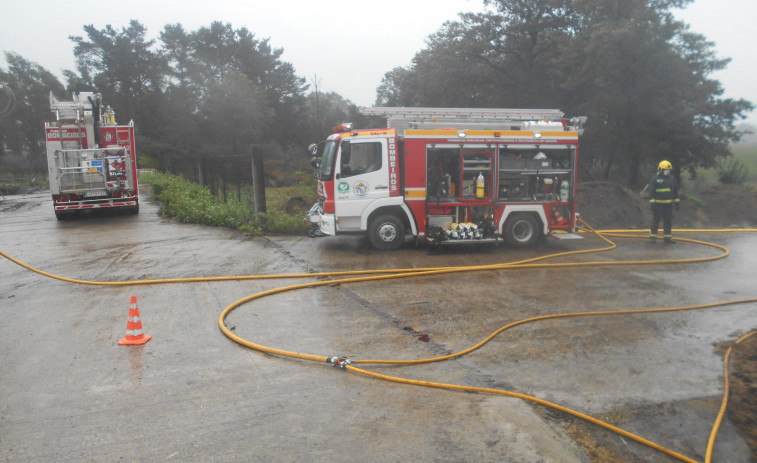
[[360, 158], [326, 166]]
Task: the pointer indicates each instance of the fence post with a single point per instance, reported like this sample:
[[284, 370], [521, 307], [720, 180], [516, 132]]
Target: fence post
[[258, 181]]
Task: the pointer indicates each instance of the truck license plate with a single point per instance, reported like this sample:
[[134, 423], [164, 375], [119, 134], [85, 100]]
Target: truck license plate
[[94, 193]]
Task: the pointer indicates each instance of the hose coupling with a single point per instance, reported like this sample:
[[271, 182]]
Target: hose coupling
[[340, 362]]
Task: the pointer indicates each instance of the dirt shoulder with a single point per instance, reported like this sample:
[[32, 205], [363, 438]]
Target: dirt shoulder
[[607, 205]]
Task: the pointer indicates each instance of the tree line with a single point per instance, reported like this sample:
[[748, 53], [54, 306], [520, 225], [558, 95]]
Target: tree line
[[204, 101], [641, 77]]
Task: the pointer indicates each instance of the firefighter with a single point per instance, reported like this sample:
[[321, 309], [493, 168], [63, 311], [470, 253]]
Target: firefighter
[[664, 198]]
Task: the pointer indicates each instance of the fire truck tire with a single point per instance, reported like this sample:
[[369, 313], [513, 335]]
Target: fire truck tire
[[521, 230], [386, 232], [134, 210]]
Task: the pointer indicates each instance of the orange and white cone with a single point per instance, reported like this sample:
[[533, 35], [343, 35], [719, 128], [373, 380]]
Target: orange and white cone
[[134, 333], [559, 219]]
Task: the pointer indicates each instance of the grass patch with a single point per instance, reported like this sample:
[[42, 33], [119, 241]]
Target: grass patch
[[188, 202], [697, 200], [19, 183], [747, 155], [744, 160]]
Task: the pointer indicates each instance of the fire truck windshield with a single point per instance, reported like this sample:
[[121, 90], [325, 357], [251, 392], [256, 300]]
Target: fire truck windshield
[[326, 168]]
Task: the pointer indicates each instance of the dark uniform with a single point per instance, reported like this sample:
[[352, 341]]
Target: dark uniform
[[664, 197]]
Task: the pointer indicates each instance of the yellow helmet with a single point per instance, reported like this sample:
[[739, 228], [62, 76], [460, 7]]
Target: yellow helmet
[[664, 165]]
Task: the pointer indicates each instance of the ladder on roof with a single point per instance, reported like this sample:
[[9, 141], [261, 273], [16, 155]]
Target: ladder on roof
[[407, 117], [71, 110]]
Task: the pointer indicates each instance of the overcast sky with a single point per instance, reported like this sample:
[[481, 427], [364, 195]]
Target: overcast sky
[[347, 46]]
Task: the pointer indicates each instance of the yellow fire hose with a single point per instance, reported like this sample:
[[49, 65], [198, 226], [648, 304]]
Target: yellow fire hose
[[373, 275]]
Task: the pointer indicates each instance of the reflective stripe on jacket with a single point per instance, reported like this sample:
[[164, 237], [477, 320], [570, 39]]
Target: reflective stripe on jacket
[[664, 190]]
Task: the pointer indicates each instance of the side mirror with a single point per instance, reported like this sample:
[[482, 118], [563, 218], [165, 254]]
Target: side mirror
[[313, 149], [314, 162]]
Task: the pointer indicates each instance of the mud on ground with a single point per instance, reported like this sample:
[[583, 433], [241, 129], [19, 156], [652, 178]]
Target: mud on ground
[[607, 205], [742, 401]]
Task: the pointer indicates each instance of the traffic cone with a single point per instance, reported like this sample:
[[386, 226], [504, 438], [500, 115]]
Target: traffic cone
[[134, 334], [559, 219]]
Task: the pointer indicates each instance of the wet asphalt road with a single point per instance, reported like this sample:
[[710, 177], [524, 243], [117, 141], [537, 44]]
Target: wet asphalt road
[[69, 393]]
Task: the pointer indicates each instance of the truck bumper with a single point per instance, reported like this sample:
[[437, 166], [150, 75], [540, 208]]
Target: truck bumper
[[94, 204], [322, 224]]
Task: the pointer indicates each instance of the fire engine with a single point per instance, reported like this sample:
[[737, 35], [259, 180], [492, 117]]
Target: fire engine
[[449, 176], [91, 160]]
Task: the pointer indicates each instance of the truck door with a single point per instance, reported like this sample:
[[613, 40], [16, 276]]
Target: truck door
[[361, 177]]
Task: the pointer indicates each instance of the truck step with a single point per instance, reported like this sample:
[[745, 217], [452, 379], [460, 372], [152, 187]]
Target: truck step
[[565, 236]]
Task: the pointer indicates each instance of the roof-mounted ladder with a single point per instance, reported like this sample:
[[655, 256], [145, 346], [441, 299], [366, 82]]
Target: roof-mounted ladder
[[72, 110], [492, 118]]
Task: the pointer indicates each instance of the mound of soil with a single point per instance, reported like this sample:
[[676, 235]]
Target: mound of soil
[[607, 205]]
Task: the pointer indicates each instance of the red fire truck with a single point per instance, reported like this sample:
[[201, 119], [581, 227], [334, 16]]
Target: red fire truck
[[91, 160], [449, 176]]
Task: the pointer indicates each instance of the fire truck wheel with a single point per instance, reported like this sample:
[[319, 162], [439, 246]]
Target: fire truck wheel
[[521, 230], [386, 232]]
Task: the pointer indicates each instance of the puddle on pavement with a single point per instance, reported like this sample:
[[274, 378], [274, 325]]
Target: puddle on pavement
[[136, 362]]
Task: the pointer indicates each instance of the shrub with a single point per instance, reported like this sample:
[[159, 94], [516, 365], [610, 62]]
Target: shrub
[[188, 202], [733, 171]]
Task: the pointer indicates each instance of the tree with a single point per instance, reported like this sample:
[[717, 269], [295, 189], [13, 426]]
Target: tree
[[26, 87], [640, 76], [327, 110], [198, 98], [213, 62], [487, 59], [122, 66], [452, 71], [235, 114], [219, 49]]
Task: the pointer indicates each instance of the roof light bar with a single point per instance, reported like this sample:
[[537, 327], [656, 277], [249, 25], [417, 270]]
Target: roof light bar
[[346, 127]]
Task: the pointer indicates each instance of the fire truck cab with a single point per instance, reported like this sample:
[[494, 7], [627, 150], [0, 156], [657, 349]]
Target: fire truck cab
[[449, 176]]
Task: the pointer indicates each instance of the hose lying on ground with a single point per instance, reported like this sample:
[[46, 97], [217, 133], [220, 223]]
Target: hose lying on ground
[[374, 275]]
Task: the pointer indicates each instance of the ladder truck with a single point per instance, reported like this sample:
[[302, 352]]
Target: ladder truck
[[449, 176], [91, 160]]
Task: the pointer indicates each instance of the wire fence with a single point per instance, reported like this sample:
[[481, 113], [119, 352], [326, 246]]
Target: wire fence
[[21, 185]]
